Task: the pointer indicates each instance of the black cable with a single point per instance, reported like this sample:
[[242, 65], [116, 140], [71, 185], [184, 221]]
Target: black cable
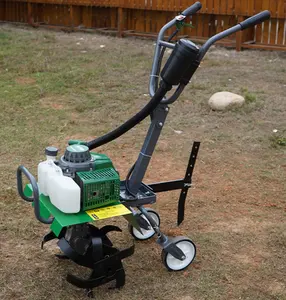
[[127, 182], [133, 121]]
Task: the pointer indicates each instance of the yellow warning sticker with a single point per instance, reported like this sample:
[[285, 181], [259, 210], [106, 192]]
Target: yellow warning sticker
[[108, 212]]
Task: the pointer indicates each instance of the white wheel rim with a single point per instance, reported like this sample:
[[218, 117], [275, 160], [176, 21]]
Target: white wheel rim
[[146, 234], [189, 251]]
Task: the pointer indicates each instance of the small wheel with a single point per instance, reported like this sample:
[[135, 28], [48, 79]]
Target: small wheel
[[174, 264], [146, 234]]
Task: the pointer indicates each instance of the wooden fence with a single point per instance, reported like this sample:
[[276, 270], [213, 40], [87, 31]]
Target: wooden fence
[[146, 17]]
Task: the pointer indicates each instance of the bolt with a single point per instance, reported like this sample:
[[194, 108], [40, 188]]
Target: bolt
[[160, 124], [167, 109]]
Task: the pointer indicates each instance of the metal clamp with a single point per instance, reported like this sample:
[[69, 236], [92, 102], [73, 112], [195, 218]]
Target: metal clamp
[[35, 198]]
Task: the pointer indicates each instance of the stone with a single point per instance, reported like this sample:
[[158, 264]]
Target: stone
[[225, 100]]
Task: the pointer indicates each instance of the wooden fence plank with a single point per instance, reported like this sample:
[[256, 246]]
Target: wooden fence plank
[[185, 4], [223, 7], [251, 8], [216, 6], [266, 4], [265, 33], [210, 6], [87, 16], [200, 26], [258, 33], [281, 31], [273, 31], [281, 9], [272, 7], [204, 6], [237, 7], [239, 36], [206, 32], [230, 7]]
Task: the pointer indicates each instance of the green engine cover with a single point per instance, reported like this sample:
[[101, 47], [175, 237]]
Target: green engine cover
[[101, 161], [98, 188]]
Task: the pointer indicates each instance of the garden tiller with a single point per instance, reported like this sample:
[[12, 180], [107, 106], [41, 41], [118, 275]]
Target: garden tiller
[[81, 186]]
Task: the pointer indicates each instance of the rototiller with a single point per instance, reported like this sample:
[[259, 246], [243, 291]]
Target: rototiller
[[83, 186]]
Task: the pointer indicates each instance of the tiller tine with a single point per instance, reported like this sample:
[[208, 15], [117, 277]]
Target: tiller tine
[[48, 237]]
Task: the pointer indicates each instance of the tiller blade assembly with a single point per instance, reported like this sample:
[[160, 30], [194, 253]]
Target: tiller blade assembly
[[89, 246]]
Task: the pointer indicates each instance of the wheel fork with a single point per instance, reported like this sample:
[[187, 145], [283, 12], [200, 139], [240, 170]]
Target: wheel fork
[[163, 240]]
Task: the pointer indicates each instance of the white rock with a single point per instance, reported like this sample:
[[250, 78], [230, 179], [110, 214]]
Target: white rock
[[224, 100], [178, 131]]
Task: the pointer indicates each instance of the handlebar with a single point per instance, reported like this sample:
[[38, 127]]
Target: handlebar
[[192, 9], [254, 20], [35, 199], [161, 45]]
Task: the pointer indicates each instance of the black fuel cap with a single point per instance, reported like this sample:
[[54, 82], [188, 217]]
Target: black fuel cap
[[51, 151], [77, 154]]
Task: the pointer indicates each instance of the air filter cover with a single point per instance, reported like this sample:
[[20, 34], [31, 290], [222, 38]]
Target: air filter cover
[[77, 154]]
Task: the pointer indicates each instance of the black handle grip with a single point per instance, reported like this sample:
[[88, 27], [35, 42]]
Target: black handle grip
[[192, 9], [256, 19], [22, 170]]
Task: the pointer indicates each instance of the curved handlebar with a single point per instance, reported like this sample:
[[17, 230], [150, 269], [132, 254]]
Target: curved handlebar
[[192, 9], [35, 198], [155, 74], [254, 20], [160, 44]]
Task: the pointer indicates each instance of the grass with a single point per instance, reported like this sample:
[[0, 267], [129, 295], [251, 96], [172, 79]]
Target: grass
[[54, 89], [278, 140]]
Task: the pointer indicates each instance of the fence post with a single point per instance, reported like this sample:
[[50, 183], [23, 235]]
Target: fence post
[[120, 25], [71, 17], [30, 16], [239, 35], [87, 16]]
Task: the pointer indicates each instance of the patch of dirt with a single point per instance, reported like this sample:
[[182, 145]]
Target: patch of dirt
[[57, 103], [25, 80], [277, 287]]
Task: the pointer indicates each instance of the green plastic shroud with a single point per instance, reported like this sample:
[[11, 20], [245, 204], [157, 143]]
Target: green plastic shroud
[[62, 220], [98, 188]]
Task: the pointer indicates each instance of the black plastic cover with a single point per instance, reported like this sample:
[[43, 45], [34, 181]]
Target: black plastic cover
[[183, 55]]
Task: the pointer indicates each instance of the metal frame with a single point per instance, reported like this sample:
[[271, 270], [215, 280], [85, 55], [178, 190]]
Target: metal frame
[[158, 120]]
